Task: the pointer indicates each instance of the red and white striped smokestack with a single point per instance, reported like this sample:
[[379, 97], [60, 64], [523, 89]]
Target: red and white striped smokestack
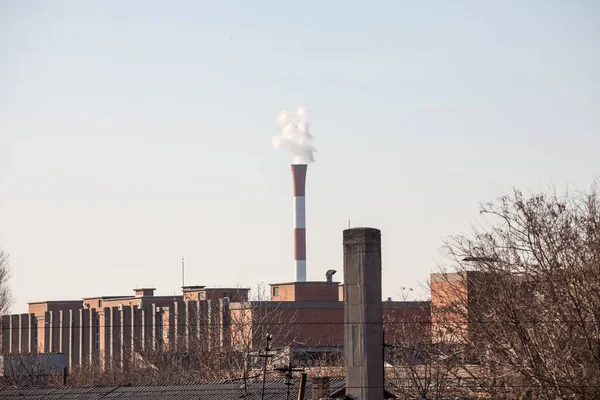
[[299, 178]]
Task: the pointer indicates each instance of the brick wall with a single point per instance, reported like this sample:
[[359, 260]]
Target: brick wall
[[321, 292], [305, 291], [283, 292], [322, 323]]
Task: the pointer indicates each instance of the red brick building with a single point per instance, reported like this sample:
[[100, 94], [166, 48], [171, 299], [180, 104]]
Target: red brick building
[[453, 297], [104, 329]]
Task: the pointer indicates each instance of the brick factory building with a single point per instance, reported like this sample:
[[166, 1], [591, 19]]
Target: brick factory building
[[103, 330]]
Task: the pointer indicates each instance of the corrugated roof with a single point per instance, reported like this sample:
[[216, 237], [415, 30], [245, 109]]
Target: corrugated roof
[[274, 390]]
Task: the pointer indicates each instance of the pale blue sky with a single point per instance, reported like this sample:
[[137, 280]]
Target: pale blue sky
[[133, 133]]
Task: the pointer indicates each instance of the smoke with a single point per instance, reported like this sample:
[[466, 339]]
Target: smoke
[[295, 136]]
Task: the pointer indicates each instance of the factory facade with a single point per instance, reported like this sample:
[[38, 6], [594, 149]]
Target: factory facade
[[102, 331]]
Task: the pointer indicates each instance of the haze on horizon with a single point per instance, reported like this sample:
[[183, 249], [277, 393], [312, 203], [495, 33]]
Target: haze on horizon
[[136, 133]]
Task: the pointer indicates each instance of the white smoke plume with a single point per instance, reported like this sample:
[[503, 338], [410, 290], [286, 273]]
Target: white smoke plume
[[295, 136]]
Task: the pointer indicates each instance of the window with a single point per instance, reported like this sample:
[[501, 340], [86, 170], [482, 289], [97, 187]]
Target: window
[[159, 336], [99, 303], [35, 335], [97, 332], [275, 290]]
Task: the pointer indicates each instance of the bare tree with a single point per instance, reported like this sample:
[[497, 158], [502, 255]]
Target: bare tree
[[22, 370], [224, 348], [6, 299], [251, 322], [418, 365], [524, 301]]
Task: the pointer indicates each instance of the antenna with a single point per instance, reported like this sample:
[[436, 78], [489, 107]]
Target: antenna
[[182, 273], [348, 224]]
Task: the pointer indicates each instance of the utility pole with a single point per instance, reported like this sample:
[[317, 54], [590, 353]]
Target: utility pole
[[266, 356], [289, 375], [302, 389]]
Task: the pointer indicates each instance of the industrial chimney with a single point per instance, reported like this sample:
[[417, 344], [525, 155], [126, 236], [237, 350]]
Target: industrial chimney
[[363, 333], [299, 178]]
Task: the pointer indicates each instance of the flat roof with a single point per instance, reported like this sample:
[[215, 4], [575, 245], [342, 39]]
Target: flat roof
[[306, 283], [107, 297], [456, 276], [129, 296], [144, 298], [287, 304], [55, 301]]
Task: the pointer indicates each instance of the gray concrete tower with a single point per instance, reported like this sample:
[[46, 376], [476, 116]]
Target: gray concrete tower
[[363, 313]]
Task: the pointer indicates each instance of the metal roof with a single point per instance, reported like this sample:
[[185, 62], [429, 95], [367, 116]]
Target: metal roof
[[274, 390]]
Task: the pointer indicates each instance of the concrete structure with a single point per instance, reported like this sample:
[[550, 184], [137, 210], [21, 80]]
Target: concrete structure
[[299, 178], [363, 316]]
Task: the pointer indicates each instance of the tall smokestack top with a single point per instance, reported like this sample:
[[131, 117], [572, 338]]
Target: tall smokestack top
[[299, 179], [296, 138], [362, 237]]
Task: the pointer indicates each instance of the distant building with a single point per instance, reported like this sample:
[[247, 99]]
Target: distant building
[[104, 329]]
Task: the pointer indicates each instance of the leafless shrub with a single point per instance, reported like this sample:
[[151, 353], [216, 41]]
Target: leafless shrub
[[22, 370], [6, 299]]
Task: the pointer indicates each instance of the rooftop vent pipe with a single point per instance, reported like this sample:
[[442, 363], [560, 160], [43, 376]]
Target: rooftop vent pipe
[[329, 275]]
